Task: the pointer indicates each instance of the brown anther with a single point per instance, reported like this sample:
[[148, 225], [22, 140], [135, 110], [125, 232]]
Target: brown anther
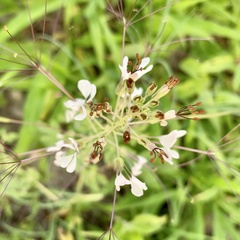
[[190, 110], [152, 86], [159, 115], [138, 57], [134, 108], [94, 155], [172, 81], [198, 104], [152, 160], [99, 107], [137, 98], [126, 137], [130, 83], [100, 156], [97, 151], [143, 116], [154, 103], [158, 152]]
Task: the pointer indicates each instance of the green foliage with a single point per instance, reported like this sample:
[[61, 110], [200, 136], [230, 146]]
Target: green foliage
[[198, 41]]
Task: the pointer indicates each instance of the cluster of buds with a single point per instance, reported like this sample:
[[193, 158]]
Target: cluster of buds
[[98, 108]]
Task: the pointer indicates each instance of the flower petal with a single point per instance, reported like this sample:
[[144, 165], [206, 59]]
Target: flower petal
[[137, 186], [72, 165], [81, 115], [145, 62], [121, 181], [93, 93], [136, 75], [69, 114], [58, 157], [174, 154], [137, 92], [181, 133], [87, 89], [170, 114], [57, 147], [125, 74], [137, 167], [74, 143], [169, 139], [65, 160], [163, 123], [74, 105], [141, 160]]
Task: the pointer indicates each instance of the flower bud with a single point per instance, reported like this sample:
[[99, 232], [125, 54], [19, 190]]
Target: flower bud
[[151, 89], [118, 163]]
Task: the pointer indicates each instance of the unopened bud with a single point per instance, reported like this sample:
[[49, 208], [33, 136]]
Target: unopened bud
[[134, 108], [151, 89], [126, 137], [118, 163], [143, 116], [138, 99], [153, 103]]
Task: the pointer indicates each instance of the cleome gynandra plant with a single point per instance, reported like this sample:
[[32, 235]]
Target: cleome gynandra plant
[[122, 134], [114, 126], [109, 134]]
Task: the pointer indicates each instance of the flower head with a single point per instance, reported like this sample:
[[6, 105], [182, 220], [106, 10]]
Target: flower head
[[137, 167], [137, 70], [161, 117], [121, 181], [61, 159], [167, 115], [168, 141], [76, 109], [87, 89], [137, 186]]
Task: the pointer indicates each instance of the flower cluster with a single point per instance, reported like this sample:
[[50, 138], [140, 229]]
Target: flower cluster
[[134, 107]]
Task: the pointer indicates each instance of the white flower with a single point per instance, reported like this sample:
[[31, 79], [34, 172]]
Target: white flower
[[168, 141], [168, 115], [137, 74], [69, 162], [121, 181], [137, 186], [87, 89], [61, 159], [77, 110], [137, 167]]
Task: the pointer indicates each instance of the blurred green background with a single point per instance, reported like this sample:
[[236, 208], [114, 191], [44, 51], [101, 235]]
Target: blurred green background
[[196, 40]]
